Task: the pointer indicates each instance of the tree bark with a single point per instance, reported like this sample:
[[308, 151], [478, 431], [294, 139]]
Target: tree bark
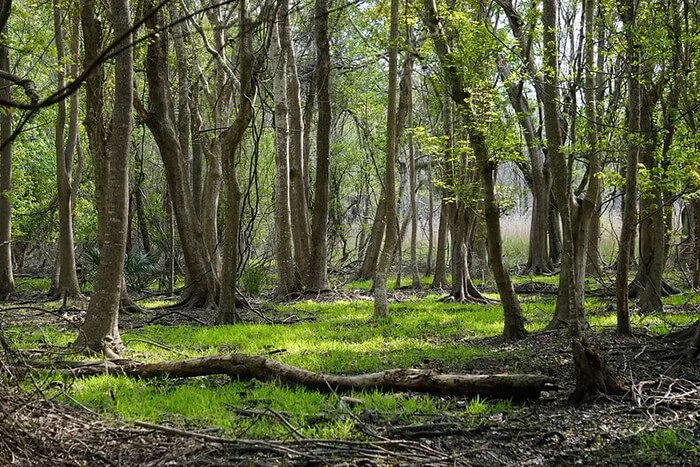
[[318, 279], [629, 209], [203, 289], [100, 331], [514, 327], [247, 367], [287, 280], [67, 284], [381, 304], [298, 199], [369, 263], [231, 144], [7, 281], [566, 298]]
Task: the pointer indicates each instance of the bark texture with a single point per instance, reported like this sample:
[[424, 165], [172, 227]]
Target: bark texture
[[7, 281], [100, 331], [516, 386]]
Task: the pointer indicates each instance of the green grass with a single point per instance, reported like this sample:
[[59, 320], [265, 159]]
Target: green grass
[[342, 339], [665, 444]]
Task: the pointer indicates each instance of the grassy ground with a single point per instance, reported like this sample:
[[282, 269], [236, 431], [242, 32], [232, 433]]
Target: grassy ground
[[334, 337]]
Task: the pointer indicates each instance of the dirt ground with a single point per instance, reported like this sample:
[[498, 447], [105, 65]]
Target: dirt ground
[[664, 394]]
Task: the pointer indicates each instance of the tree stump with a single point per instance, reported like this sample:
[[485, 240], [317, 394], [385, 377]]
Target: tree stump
[[593, 376]]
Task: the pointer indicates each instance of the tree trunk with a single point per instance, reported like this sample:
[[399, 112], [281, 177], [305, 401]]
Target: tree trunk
[[231, 143], [431, 221], [7, 281], [538, 260], [513, 322], [203, 289], [629, 210], [588, 205], [369, 263], [301, 227], [381, 304], [440, 277], [318, 279], [566, 297], [67, 284], [247, 367], [100, 331], [287, 279]]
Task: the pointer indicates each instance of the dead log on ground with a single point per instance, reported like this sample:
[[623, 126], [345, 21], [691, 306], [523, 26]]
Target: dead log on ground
[[247, 367]]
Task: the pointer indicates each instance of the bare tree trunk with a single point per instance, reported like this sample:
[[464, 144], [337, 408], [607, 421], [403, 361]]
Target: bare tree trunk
[[538, 260], [231, 144], [431, 220], [100, 331], [67, 285], [7, 281], [369, 263], [588, 207], [319, 224], [440, 277], [197, 149], [287, 279], [203, 289], [566, 298], [381, 304], [629, 210], [301, 227]]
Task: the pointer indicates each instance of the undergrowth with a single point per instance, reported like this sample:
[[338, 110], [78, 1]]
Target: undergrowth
[[337, 337]]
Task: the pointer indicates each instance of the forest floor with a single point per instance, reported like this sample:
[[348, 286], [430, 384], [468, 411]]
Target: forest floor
[[53, 421]]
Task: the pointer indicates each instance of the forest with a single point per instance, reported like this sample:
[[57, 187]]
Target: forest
[[350, 232]]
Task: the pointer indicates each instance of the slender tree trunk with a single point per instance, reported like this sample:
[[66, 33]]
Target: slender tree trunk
[[431, 221], [629, 209], [203, 286], [566, 298], [513, 323], [586, 214], [381, 304], [231, 144], [100, 331], [287, 279], [301, 227], [67, 285], [369, 263], [319, 224], [440, 277], [7, 281], [538, 259], [197, 149]]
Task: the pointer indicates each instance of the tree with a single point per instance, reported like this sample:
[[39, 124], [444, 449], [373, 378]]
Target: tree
[[7, 281], [381, 304], [231, 148], [203, 286], [66, 146], [629, 210], [100, 332], [318, 279], [514, 324]]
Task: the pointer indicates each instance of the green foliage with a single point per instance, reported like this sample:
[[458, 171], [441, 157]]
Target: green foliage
[[255, 279], [140, 268], [664, 444]]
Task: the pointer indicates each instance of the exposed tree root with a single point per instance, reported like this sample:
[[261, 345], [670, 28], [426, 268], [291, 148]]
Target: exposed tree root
[[691, 335], [518, 386], [593, 376], [465, 300]]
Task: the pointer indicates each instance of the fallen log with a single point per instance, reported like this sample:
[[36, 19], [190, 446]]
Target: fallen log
[[247, 367]]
